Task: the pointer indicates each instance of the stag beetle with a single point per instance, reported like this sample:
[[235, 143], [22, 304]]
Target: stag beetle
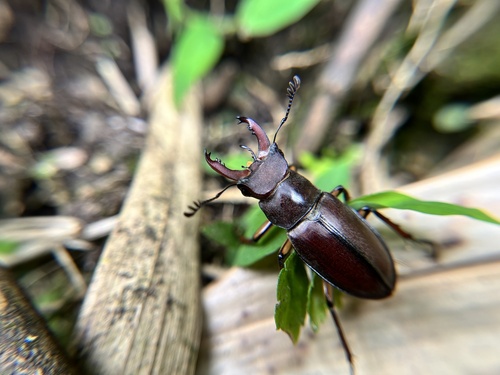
[[333, 239]]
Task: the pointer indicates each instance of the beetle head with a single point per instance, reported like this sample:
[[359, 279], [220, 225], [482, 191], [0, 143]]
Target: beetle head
[[269, 166]]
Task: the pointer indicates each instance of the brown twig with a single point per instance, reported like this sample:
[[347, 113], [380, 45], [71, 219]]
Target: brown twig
[[362, 29], [432, 47]]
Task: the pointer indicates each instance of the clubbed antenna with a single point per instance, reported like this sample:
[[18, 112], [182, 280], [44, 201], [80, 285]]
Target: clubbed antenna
[[199, 204], [292, 89]]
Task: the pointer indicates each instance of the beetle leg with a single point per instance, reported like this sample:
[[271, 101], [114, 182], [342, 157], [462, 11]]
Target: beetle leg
[[341, 190], [285, 251], [258, 233], [365, 211], [331, 307], [262, 230]]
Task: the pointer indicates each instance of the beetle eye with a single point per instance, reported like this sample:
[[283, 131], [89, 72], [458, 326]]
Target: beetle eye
[[245, 190]]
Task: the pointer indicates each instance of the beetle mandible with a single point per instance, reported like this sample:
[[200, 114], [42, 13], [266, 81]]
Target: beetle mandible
[[333, 239]]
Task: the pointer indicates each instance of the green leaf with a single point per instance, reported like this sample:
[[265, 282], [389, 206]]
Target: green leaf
[[8, 247], [100, 25], [221, 232], [265, 17], [400, 201], [238, 252], [252, 220], [452, 118], [316, 305], [329, 172], [195, 52], [248, 254], [225, 234], [292, 293], [175, 10]]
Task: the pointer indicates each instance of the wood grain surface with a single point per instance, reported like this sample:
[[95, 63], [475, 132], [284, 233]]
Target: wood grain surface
[[142, 312]]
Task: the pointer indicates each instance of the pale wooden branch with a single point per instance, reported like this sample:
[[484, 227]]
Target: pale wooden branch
[[142, 312]]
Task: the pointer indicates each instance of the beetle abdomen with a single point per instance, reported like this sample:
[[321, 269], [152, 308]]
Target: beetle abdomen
[[344, 250]]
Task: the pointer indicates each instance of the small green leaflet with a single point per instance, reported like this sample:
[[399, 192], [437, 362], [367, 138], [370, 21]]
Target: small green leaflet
[[292, 294], [248, 254], [316, 306], [265, 17], [175, 10], [326, 169], [197, 49], [8, 247]]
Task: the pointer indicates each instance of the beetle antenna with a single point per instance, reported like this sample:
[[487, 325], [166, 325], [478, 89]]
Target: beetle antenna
[[197, 205], [293, 87]]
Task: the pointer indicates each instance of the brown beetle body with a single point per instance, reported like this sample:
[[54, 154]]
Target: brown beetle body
[[329, 236], [333, 239]]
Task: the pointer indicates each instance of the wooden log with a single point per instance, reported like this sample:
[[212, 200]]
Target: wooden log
[[26, 344], [142, 312]]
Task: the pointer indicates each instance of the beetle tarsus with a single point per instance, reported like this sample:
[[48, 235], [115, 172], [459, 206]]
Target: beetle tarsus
[[194, 209], [199, 204], [341, 190]]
